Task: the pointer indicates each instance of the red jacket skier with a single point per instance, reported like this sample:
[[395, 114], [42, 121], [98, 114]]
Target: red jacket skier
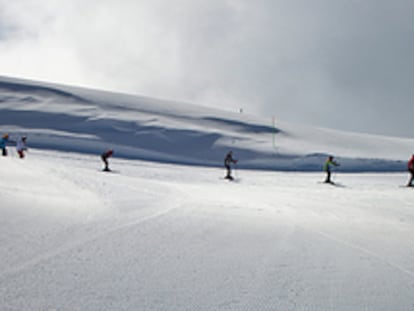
[[107, 154], [410, 167]]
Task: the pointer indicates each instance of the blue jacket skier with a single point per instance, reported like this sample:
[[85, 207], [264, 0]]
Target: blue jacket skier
[[3, 144]]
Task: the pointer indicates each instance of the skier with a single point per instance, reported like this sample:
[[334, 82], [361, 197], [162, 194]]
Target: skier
[[21, 147], [3, 144], [107, 154], [411, 170], [227, 162], [327, 168]]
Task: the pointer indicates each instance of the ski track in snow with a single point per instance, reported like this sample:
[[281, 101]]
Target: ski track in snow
[[86, 181], [75, 244], [366, 251]]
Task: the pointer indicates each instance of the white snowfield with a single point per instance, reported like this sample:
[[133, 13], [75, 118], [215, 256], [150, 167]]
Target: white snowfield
[[159, 235], [166, 237]]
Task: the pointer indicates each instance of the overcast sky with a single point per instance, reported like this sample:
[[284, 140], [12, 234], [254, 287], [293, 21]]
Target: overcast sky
[[345, 64]]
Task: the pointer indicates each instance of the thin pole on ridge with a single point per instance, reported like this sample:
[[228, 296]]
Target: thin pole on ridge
[[274, 133]]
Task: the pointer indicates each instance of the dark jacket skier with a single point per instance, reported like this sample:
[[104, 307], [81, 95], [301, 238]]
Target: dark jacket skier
[[228, 160], [327, 168], [410, 167], [107, 154]]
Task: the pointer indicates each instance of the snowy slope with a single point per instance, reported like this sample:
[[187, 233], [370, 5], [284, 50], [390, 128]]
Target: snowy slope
[[155, 235], [80, 120], [164, 237]]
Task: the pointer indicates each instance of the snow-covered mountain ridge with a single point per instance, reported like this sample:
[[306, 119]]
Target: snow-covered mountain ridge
[[160, 236], [65, 118]]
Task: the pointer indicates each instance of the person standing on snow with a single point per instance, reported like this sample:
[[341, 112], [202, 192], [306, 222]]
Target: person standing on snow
[[21, 147], [327, 168], [107, 154], [3, 144], [228, 160], [411, 170]]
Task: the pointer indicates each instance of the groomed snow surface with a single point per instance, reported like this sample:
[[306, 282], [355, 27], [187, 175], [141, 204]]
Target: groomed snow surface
[[166, 237]]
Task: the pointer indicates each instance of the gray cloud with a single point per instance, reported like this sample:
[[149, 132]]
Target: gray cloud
[[345, 64]]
